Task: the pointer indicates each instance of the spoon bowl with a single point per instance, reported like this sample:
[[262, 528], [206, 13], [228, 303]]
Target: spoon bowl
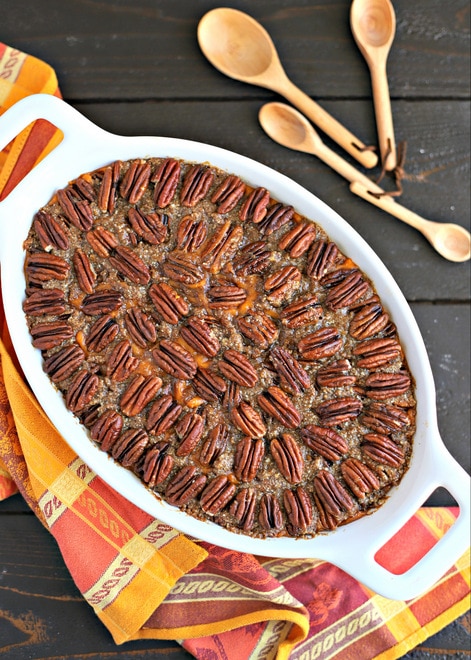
[[241, 48]]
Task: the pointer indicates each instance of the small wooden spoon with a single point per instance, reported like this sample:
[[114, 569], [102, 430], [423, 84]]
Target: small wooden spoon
[[373, 25], [242, 49], [289, 128]]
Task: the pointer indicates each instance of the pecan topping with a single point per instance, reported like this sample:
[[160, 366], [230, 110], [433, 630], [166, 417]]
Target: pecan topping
[[135, 181], [381, 385], [382, 449], [302, 312], [121, 362], [298, 509], [288, 457], [50, 232], [166, 178], [106, 429], [81, 390], [248, 420], [321, 343], [191, 233], [368, 320], [254, 258], [270, 516], [196, 183], [199, 336], [64, 362], [217, 494], [298, 240], [384, 418], [84, 272], [44, 301], [174, 359], [129, 265], [232, 396], [41, 267], [258, 328], [180, 268], [293, 378], [222, 245], [321, 257], [101, 302], [84, 189], [325, 442], [255, 205], [189, 430], [326, 519], [140, 327], [358, 477], [339, 411], [214, 445], [278, 404], [277, 216], [332, 494], [243, 508], [101, 333], [157, 464], [236, 367], [377, 352], [152, 227], [226, 296], [89, 415], [163, 414], [228, 194], [185, 486], [101, 241], [170, 304], [247, 458], [335, 374], [140, 391], [345, 287], [282, 283], [208, 385], [77, 212], [109, 187], [130, 446], [50, 335]]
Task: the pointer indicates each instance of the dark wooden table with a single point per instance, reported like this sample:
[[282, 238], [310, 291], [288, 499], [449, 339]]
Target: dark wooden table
[[135, 68]]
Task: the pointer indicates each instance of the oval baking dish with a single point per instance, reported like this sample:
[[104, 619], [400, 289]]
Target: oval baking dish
[[86, 147]]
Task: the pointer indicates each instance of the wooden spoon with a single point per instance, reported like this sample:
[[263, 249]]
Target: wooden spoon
[[373, 24], [241, 48], [289, 128]]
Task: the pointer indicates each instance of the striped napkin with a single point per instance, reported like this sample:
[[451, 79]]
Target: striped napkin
[[146, 580]]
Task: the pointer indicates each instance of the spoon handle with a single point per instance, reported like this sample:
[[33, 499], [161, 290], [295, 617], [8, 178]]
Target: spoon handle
[[383, 113], [329, 125]]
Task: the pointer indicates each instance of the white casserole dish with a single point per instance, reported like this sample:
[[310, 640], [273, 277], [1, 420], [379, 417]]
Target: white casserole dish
[[86, 147]]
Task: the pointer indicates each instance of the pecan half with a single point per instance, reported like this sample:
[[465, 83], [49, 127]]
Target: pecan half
[[140, 327], [101, 302], [214, 444], [101, 333], [243, 508], [278, 404], [359, 477], [248, 420], [270, 516], [107, 193], [232, 396], [181, 268], [322, 256], [208, 385], [86, 276], [228, 194], [130, 446], [299, 239], [321, 343], [368, 320], [135, 181], [332, 494], [382, 449], [106, 429], [101, 241], [248, 456], [130, 265], [217, 494], [302, 312], [191, 233], [152, 227], [84, 189], [254, 258], [166, 178], [81, 390], [185, 486], [163, 414], [326, 521], [64, 362], [196, 184], [226, 296], [345, 287], [174, 359], [384, 418], [282, 283], [199, 336], [236, 367], [140, 391], [189, 430], [121, 362], [44, 301], [50, 232], [325, 442], [277, 216], [288, 457], [258, 328], [221, 246], [381, 385], [299, 511], [377, 352], [293, 378], [335, 374], [170, 305], [77, 212], [338, 411], [42, 267], [50, 335], [157, 464], [255, 205]]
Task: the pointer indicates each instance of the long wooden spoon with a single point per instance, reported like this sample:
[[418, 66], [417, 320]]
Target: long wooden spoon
[[289, 128], [238, 46], [373, 24]]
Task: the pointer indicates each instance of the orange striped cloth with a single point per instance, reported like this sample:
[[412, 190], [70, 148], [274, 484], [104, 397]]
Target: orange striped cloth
[[146, 580]]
